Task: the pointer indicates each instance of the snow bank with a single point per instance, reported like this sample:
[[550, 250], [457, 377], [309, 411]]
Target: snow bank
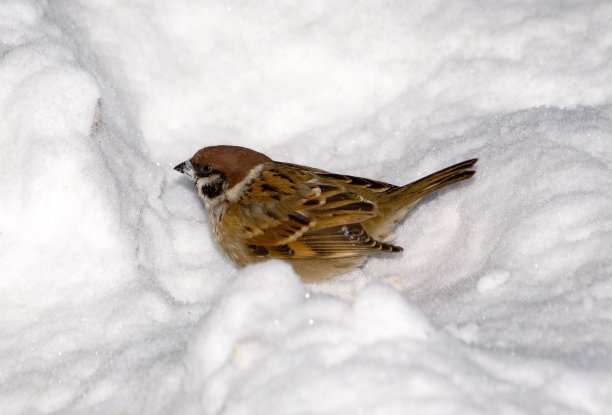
[[115, 299], [271, 347]]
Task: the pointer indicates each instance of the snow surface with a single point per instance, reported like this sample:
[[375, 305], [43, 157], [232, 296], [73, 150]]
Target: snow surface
[[115, 299]]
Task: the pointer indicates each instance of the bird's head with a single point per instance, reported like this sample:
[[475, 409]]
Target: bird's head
[[218, 169]]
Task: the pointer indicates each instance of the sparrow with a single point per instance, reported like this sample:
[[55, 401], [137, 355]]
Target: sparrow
[[322, 223]]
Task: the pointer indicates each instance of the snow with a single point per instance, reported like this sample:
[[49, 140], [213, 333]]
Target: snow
[[116, 300]]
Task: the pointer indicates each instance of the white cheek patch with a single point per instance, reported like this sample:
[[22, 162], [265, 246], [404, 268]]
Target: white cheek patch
[[203, 181], [236, 192]]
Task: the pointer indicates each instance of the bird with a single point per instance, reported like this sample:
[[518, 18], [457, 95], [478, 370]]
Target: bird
[[323, 224]]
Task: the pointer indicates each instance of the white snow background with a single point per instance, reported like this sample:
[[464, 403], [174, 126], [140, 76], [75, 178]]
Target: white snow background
[[114, 299]]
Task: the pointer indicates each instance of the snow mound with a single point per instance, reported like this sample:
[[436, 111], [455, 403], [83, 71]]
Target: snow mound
[[115, 298]]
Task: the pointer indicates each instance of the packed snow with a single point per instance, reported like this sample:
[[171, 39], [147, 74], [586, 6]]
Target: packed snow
[[116, 300]]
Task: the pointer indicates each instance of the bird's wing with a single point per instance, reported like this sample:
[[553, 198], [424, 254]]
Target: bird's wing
[[335, 242], [295, 212]]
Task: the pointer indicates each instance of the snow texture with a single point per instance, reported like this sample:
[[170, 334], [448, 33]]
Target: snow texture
[[116, 300]]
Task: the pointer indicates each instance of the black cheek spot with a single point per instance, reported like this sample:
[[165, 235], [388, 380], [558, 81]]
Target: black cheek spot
[[213, 190]]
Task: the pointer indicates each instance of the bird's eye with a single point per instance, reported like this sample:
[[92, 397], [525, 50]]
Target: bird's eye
[[203, 170]]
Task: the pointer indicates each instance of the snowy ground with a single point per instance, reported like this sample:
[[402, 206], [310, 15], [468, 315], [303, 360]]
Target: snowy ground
[[115, 300]]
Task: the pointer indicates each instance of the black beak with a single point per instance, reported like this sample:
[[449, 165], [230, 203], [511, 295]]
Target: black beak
[[187, 169]]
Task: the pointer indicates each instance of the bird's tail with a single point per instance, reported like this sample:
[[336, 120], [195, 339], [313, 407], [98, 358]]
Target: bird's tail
[[402, 199], [413, 192]]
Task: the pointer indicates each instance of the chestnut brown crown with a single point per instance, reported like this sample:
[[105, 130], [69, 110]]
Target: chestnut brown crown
[[233, 161]]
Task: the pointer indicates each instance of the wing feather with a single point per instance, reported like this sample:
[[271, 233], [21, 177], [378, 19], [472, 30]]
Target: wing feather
[[293, 212]]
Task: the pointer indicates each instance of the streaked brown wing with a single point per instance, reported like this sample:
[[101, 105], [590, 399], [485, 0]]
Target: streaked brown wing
[[337, 242], [293, 212]]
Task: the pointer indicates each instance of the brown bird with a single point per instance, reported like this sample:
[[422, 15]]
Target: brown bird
[[322, 223]]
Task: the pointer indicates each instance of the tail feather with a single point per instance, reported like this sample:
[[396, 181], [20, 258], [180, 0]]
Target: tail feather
[[416, 190], [443, 178], [402, 199]]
